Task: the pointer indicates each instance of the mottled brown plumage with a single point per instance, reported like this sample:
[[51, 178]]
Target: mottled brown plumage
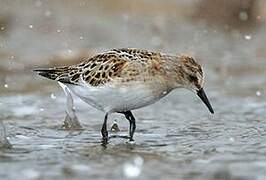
[[121, 80], [104, 67], [128, 64]]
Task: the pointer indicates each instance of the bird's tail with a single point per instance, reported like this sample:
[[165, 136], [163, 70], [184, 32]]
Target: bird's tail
[[58, 74], [48, 73]]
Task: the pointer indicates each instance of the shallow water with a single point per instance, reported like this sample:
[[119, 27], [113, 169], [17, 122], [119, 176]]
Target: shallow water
[[176, 138]]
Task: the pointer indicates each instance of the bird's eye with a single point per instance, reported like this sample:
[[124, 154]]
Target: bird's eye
[[193, 78]]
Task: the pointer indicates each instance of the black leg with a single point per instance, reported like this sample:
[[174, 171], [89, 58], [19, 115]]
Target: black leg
[[132, 124], [104, 130]]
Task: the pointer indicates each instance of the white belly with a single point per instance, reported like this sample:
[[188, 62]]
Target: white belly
[[109, 98]]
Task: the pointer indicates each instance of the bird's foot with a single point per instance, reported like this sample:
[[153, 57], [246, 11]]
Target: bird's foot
[[104, 141], [131, 141]]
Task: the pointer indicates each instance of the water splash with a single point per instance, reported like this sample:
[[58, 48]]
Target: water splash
[[258, 93], [69, 51], [53, 96], [47, 13], [71, 120], [4, 143], [248, 37]]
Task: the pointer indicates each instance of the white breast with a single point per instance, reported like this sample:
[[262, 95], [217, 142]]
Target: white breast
[[111, 98]]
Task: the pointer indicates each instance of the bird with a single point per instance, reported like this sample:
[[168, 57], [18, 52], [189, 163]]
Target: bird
[[124, 79]]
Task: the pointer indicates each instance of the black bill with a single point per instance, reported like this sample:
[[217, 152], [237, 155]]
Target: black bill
[[204, 98]]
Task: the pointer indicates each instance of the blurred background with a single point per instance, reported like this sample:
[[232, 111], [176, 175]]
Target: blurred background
[[175, 136]]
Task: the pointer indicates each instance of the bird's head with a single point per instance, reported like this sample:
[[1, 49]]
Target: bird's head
[[191, 77]]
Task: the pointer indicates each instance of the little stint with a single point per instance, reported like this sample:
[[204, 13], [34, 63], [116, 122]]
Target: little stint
[[121, 80]]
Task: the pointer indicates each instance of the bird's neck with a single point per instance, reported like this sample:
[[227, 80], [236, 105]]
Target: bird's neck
[[174, 71]]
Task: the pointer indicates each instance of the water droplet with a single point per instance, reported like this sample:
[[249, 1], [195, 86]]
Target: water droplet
[[133, 169], [42, 109], [38, 3], [248, 37], [58, 30], [243, 16], [81, 38], [258, 93], [2, 28], [30, 26], [232, 139], [258, 17], [125, 17], [6, 85], [12, 57], [69, 51], [47, 13], [53, 96]]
